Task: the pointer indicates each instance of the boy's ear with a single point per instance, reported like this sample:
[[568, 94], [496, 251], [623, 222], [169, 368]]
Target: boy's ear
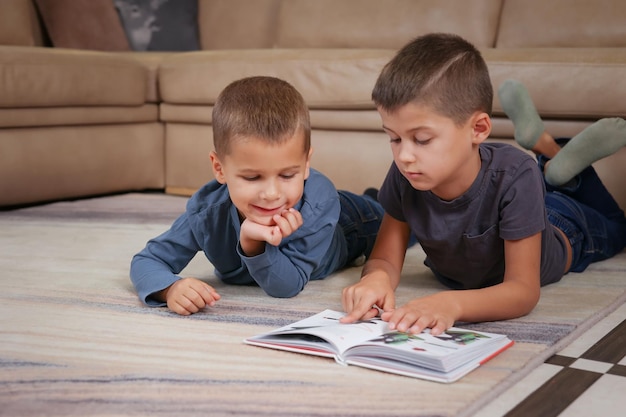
[[307, 168], [218, 168], [481, 127]]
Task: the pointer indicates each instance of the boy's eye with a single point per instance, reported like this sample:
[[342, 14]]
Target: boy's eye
[[394, 140], [422, 141], [252, 178]]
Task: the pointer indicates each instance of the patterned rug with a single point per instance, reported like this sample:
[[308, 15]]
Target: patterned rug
[[75, 340]]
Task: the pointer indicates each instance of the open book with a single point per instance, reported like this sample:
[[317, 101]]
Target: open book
[[371, 344]]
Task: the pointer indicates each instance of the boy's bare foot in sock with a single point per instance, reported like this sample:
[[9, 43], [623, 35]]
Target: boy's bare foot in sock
[[601, 139], [529, 130], [598, 141]]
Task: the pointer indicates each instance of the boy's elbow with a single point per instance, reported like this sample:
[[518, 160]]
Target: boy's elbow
[[282, 291], [137, 267], [529, 298], [276, 285]]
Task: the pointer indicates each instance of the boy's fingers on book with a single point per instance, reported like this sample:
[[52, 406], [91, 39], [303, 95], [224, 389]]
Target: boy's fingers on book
[[373, 312], [386, 315], [358, 313], [438, 329], [348, 299], [348, 318], [441, 325]]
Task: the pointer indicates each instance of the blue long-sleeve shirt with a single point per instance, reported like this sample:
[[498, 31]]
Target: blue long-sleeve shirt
[[211, 224]]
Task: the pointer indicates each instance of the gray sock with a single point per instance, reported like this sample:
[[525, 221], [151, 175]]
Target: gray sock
[[518, 105], [601, 139]]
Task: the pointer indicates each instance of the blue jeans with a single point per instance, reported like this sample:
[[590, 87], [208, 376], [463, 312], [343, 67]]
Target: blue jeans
[[360, 220], [588, 215]]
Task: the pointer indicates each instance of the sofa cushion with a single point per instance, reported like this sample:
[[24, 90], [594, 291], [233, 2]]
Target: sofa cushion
[[83, 24], [45, 77], [75, 161], [562, 23], [18, 23], [327, 78], [151, 61]]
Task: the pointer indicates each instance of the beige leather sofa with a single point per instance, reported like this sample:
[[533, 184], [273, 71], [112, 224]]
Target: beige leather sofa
[[79, 123]]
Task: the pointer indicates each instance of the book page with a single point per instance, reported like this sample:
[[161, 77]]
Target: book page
[[443, 352], [326, 325]]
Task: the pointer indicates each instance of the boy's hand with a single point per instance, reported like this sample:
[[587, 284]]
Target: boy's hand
[[253, 236], [287, 222], [436, 312], [189, 295], [362, 300]]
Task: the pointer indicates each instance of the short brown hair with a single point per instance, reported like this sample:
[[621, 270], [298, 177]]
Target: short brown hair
[[439, 70], [265, 107]]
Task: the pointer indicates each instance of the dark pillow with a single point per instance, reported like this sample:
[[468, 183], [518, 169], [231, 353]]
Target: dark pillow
[[83, 24], [160, 25]]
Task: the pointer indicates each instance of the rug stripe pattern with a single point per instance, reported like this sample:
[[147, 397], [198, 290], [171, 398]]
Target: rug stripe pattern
[[75, 340]]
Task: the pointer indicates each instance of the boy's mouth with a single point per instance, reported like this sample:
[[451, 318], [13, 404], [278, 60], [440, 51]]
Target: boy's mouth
[[268, 211], [413, 174]]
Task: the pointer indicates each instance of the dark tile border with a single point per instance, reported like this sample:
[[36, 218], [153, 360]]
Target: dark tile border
[[556, 394]]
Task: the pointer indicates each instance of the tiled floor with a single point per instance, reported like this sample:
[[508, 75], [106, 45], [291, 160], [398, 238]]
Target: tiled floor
[[587, 378]]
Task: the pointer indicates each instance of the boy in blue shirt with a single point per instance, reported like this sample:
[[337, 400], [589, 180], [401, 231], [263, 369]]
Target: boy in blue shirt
[[267, 218], [491, 232]]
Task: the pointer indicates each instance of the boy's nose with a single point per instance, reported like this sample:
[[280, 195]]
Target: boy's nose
[[271, 191], [406, 154]]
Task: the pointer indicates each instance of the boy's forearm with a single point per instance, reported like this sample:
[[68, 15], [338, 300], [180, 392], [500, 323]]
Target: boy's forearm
[[251, 247], [499, 302], [276, 273], [380, 267], [148, 277]]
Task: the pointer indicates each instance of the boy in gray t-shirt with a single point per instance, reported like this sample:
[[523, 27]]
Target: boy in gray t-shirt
[[486, 219]]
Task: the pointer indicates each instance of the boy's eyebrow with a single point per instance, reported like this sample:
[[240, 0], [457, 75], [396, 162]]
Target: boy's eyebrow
[[413, 129], [297, 166], [254, 170]]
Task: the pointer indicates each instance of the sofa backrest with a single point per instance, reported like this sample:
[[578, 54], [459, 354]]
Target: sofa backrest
[[562, 23], [385, 24], [237, 24], [19, 24], [389, 24], [243, 24]]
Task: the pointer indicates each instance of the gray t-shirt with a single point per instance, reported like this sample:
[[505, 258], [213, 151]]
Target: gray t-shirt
[[464, 238]]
